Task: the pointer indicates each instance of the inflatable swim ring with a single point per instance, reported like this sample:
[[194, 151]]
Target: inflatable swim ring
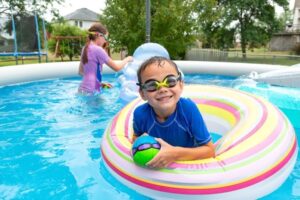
[[254, 156]]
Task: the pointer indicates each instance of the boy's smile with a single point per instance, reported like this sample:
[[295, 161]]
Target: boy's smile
[[162, 97]]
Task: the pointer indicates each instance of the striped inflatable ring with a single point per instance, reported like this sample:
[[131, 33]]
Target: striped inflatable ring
[[254, 156]]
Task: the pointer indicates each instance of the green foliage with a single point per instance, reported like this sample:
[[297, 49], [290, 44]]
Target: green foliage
[[285, 20], [254, 21], [34, 6], [172, 24], [66, 40], [209, 22]]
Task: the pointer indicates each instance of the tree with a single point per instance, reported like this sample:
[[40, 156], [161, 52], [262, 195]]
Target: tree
[[66, 40], [172, 24], [212, 32], [27, 6], [256, 20], [285, 20], [253, 21]]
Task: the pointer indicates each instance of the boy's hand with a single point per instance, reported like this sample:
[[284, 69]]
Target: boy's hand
[[165, 156]]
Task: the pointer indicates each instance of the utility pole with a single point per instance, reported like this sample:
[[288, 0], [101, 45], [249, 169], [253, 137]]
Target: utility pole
[[148, 20]]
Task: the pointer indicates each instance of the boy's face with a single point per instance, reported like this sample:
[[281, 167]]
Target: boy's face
[[164, 99]]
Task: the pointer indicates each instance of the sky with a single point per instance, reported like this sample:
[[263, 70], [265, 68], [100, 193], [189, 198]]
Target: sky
[[71, 5], [291, 6]]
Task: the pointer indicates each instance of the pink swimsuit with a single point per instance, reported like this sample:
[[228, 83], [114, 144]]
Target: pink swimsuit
[[97, 56]]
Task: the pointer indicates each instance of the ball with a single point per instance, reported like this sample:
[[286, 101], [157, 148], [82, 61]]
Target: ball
[[144, 149]]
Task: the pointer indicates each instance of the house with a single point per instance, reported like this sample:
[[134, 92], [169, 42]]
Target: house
[[290, 38], [296, 18], [82, 18]]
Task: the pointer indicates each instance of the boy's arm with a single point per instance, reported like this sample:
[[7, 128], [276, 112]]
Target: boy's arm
[[205, 151], [134, 136], [169, 154]]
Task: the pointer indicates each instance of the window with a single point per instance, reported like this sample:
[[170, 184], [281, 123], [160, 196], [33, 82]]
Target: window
[[80, 24]]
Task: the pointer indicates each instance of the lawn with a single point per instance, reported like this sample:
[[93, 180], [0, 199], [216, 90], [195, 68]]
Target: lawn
[[261, 56], [8, 61]]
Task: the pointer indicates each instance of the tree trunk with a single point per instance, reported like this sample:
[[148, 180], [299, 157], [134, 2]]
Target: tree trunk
[[244, 46], [243, 42]]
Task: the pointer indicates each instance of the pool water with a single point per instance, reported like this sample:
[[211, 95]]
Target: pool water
[[50, 138]]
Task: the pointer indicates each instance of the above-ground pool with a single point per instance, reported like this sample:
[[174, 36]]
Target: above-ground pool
[[50, 137]]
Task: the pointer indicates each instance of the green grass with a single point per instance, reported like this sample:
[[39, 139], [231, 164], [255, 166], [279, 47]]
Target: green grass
[[272, 61], [258, 56], [261, 56], [274, 58], [10, 60]]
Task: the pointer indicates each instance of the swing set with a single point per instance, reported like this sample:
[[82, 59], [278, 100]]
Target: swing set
[[68, 46]]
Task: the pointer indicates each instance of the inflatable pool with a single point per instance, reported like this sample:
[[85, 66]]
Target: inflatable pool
[[288, 77], [254, 156]]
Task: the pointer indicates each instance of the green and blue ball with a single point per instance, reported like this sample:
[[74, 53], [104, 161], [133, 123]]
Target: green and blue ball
[[144, 149]]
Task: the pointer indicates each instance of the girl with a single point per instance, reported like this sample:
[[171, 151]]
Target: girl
[[92, 59]]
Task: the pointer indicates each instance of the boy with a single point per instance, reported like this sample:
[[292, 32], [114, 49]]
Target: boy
[[175, 122]]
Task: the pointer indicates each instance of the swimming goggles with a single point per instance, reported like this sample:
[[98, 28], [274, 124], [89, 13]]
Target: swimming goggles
[[98, 33], [104, 36], [153, 85], [145, 147]]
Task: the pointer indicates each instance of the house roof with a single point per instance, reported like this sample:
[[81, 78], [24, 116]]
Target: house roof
[[83, 14]]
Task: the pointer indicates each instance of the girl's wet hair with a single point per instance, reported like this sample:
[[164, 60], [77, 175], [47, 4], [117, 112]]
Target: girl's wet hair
[[159, 60], [93, 32], [95, 29]]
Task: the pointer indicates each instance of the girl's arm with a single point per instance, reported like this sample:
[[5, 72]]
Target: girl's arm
[[118, 66]]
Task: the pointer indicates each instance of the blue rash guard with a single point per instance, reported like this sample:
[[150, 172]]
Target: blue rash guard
[[185, 127]]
